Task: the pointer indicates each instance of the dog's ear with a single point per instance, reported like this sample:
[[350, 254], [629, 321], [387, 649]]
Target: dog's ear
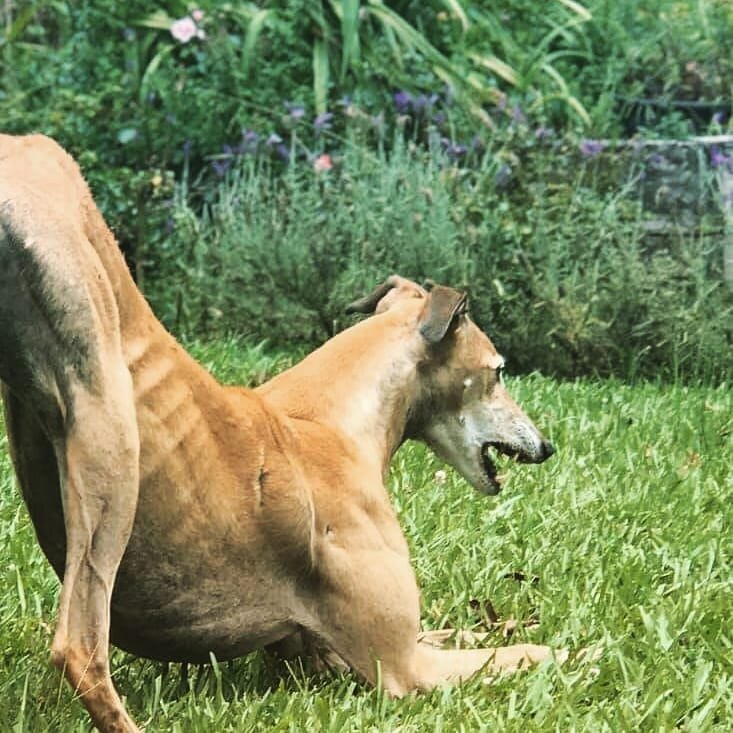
[[395, 286], [443, 308], [368, 303]]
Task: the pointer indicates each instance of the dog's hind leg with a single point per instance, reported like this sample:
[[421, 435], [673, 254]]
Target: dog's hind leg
[[98, 467], [97, 455], [61, 361]]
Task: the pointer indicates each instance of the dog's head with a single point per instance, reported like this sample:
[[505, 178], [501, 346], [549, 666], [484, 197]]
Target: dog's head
[[462, 410]]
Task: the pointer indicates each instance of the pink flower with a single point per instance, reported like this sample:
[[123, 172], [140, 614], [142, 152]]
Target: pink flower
[[184, 29], [197, 15], [323, 163]]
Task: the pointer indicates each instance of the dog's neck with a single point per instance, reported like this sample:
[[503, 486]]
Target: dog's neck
[[362, 382]]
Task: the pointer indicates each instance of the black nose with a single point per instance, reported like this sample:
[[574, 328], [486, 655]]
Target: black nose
[[547, 449]]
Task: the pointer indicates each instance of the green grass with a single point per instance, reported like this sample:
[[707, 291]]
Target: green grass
[[623, 542]]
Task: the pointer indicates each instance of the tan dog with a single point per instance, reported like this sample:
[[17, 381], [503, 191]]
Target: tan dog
[[185, 517]]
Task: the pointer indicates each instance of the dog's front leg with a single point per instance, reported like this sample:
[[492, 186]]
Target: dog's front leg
[[370, 617]]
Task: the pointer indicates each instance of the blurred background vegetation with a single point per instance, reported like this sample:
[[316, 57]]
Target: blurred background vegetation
[[262, 163]]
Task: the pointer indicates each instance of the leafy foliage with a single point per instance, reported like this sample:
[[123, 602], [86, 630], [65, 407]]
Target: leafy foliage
[[114, 86]]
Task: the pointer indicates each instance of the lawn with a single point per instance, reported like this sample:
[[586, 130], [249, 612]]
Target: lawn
[[621, 542]]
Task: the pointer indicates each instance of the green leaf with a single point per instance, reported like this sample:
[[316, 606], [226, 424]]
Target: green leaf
[[159, 20], [455, 9], [149, 72], [350, 49], [564, 94], [578, 9], [498, 67], [578, 108], [320, 75], [252, 35], [19, 24]]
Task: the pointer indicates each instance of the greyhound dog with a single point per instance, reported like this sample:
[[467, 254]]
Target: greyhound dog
[[186, 518]]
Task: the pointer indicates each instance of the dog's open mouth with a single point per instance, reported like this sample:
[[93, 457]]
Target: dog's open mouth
[[490, 468]]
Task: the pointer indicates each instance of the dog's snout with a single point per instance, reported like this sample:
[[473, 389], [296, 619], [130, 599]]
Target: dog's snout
[[535, 455], [546, 450]]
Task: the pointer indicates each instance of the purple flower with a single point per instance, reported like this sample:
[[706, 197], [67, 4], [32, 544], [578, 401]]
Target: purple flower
[[283, 151], [403, 101], [439, 119], [591, 148], [517, 115], [296, 111], [637, 146], [424, 103], [250, 140], [456, 150], [657, 160], [323, 122], [717, 157], [420, 103], [542, 133], [274, 139], [221, 166], [477, 144], [718, 118]]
